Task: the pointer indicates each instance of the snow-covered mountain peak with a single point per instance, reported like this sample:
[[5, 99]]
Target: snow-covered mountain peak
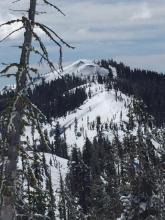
[[79, 63], [82, 68], [85, 68]]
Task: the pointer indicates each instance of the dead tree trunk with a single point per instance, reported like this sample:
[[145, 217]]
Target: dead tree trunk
[[8, 190]]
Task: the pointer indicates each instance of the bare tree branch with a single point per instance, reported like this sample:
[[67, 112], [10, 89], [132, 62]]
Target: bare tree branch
[[34, 70], [43, 27], [11, 34], [45, 53], [41, 44], [16, 1], [51, 65], [11, 22], [37, 12], [48, 32], [7, 75], [8, 67], [57, 43], [52, 5], [16, 10]]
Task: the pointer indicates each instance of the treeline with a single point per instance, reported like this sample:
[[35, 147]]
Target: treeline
[[55, 98], [5, 100], [146, 85]]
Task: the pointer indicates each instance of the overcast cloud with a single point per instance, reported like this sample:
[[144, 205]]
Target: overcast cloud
[[127, 30]]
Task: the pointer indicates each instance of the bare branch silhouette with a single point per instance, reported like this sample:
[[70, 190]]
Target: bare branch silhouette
[[11, 22], [10, 34], [44, 28], [6, 69], [54, 6]]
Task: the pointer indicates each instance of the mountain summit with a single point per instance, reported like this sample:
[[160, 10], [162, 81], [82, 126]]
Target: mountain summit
[[80, 68]]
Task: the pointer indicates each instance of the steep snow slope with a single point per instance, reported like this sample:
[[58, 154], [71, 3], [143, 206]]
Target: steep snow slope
[[83, 68], [110, 106], [60, 167]]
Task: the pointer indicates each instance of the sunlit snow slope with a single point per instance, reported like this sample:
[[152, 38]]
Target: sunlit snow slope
[[82, 68], [103, 104]]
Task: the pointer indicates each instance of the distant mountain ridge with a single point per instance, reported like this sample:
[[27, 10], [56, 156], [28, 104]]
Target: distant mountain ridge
[[81, 68]]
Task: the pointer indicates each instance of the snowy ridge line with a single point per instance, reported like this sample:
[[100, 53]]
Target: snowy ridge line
[[81, 68]]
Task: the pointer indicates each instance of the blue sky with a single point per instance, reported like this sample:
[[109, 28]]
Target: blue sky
[[126, 30]]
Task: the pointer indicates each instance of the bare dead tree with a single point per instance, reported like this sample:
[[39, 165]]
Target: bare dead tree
[[14, 128]]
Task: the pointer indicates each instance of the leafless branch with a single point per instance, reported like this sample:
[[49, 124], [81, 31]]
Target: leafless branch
[[54, 6], [16, 10], [43, 27], [7, 75], [41, 44], [16, 1], [34, 70], [11, 22], [8, 67], [51, 65], [56, 42], [37, 12], [43, 57], [11, 34], [45, 53]]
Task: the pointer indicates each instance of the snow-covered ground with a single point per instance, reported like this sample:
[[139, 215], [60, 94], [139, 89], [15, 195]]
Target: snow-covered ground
[[59, 167], [110, 106], [104, 104]]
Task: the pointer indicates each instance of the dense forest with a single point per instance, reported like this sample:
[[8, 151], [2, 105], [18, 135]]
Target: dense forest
[[146, 85], [54, 99], [121, 178]]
